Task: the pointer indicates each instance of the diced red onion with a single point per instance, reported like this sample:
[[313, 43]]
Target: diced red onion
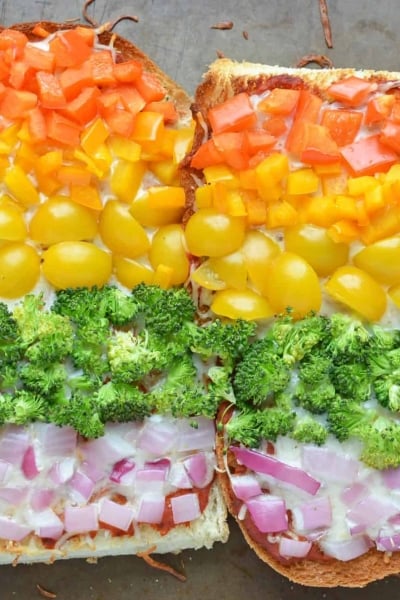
[[346, 549], [80, 519], [199, 468], [82, 486], [11, 530], [150, 481], [391, 478], [13, 444], [328, 465], [151, 474], [388, 543], [196, 434], [54, 440], [151, 508], [62, 471], [116, 515], [41, 499], [4, 470], [161, 463], [158, 437], [291, 548], [13, 495], [242, 512], [315, 514], [93, 471], [353, 494], [268, 513], [261, 463], [185, 508], [29, 466], [105, 451], [121, 468], [178, 477], [47, 524], [368, 512], [245, 486]]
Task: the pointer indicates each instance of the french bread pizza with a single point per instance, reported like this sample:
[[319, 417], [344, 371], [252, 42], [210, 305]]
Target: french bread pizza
[[100, 454], [295, 225]]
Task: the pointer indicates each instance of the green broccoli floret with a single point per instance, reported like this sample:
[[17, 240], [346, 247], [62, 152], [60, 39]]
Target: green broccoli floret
[[9, 331], [274, 421], [121, 402], [352, 381], [43, 380], [46, 337], [347, 418], [227, 341], [131, 357], [26, 407], [220, 384], [80, 412], [350, 339], [296, 339], [381, 444], [164, 311], [243, 428], [314, 391], [384, 368], [261, 374], [384, 339], [309, 431]]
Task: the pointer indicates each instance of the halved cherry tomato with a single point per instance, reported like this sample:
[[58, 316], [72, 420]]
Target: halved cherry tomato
[[168, 249], [20, 268], [241, 304], [210, 233], [381, 260]]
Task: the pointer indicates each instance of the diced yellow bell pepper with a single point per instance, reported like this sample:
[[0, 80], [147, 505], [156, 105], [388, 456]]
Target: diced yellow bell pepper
[[393, 174], [320, 210], [272, 169], [20, 186], [270, 193], [122, 147], [204, 196], [221, 173], [248, 179], [183, 143], [126, 179], [161, 197], [281, 214], [220, 197], [86, 195], [24, 134], [347, 207], [26, 156], [9, 135], [73, 175], [148, 126], [382, 225], [163, 276], [344, 231], [90, 163], [334, 184], [165, 170], [164, 143], [358, 186], [48, 184], [235, 204], [374, 199], [49, 162], [94, 136], [256, 208], [302, 181], [329, 169]]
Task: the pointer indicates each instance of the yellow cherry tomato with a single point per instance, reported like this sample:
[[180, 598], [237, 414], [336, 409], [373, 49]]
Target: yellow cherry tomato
[[76, 264], [19, 270], [381, 260], [359, 291], [168, 248], [12, 222], [148, 216], [231, 269], [241, 304], [315, 245], [121, 232], [130, 273], [210, 233], [59, 219], [258, 250], [292, 283], [206, 276]]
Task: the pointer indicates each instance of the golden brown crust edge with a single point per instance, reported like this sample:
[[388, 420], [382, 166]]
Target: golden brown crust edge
[[128, 50], [356, 573]]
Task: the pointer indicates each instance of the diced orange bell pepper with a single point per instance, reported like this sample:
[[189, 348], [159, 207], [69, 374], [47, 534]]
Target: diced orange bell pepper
[[147, 126], [318, 148], [275, 126], [390, 135], [74, 175], [280, 101], [352, 91], [95, 135], [12, 39], [344, 231], [166, 108], [379, 108], [62, 130], [40, 31], [131, 99], [149, 87], [235, 114], [127, 71], [74, 80], [17, 72], [307, 110], [51, 94], [321, 210], [206, 156], [258, 140], [383, 224], [86, 195], [37, 125], [84, 107], [347, 208], [16, 104], [49, 162], [41, 60], [121, 122], [231, 145], [343, 125], [69, 48], [87, 33], [256, 208], [102, 66]]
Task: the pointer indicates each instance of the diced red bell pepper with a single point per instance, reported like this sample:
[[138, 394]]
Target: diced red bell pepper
[[231, 145], [343, 125], [280, 101], [352, 91], [308, 109], [318, 147], [235, 114], [207, 156], [379, 108], [390, 135], [368, 156]]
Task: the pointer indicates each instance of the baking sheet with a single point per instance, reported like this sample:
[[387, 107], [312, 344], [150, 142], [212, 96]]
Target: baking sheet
[[177, 35]]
